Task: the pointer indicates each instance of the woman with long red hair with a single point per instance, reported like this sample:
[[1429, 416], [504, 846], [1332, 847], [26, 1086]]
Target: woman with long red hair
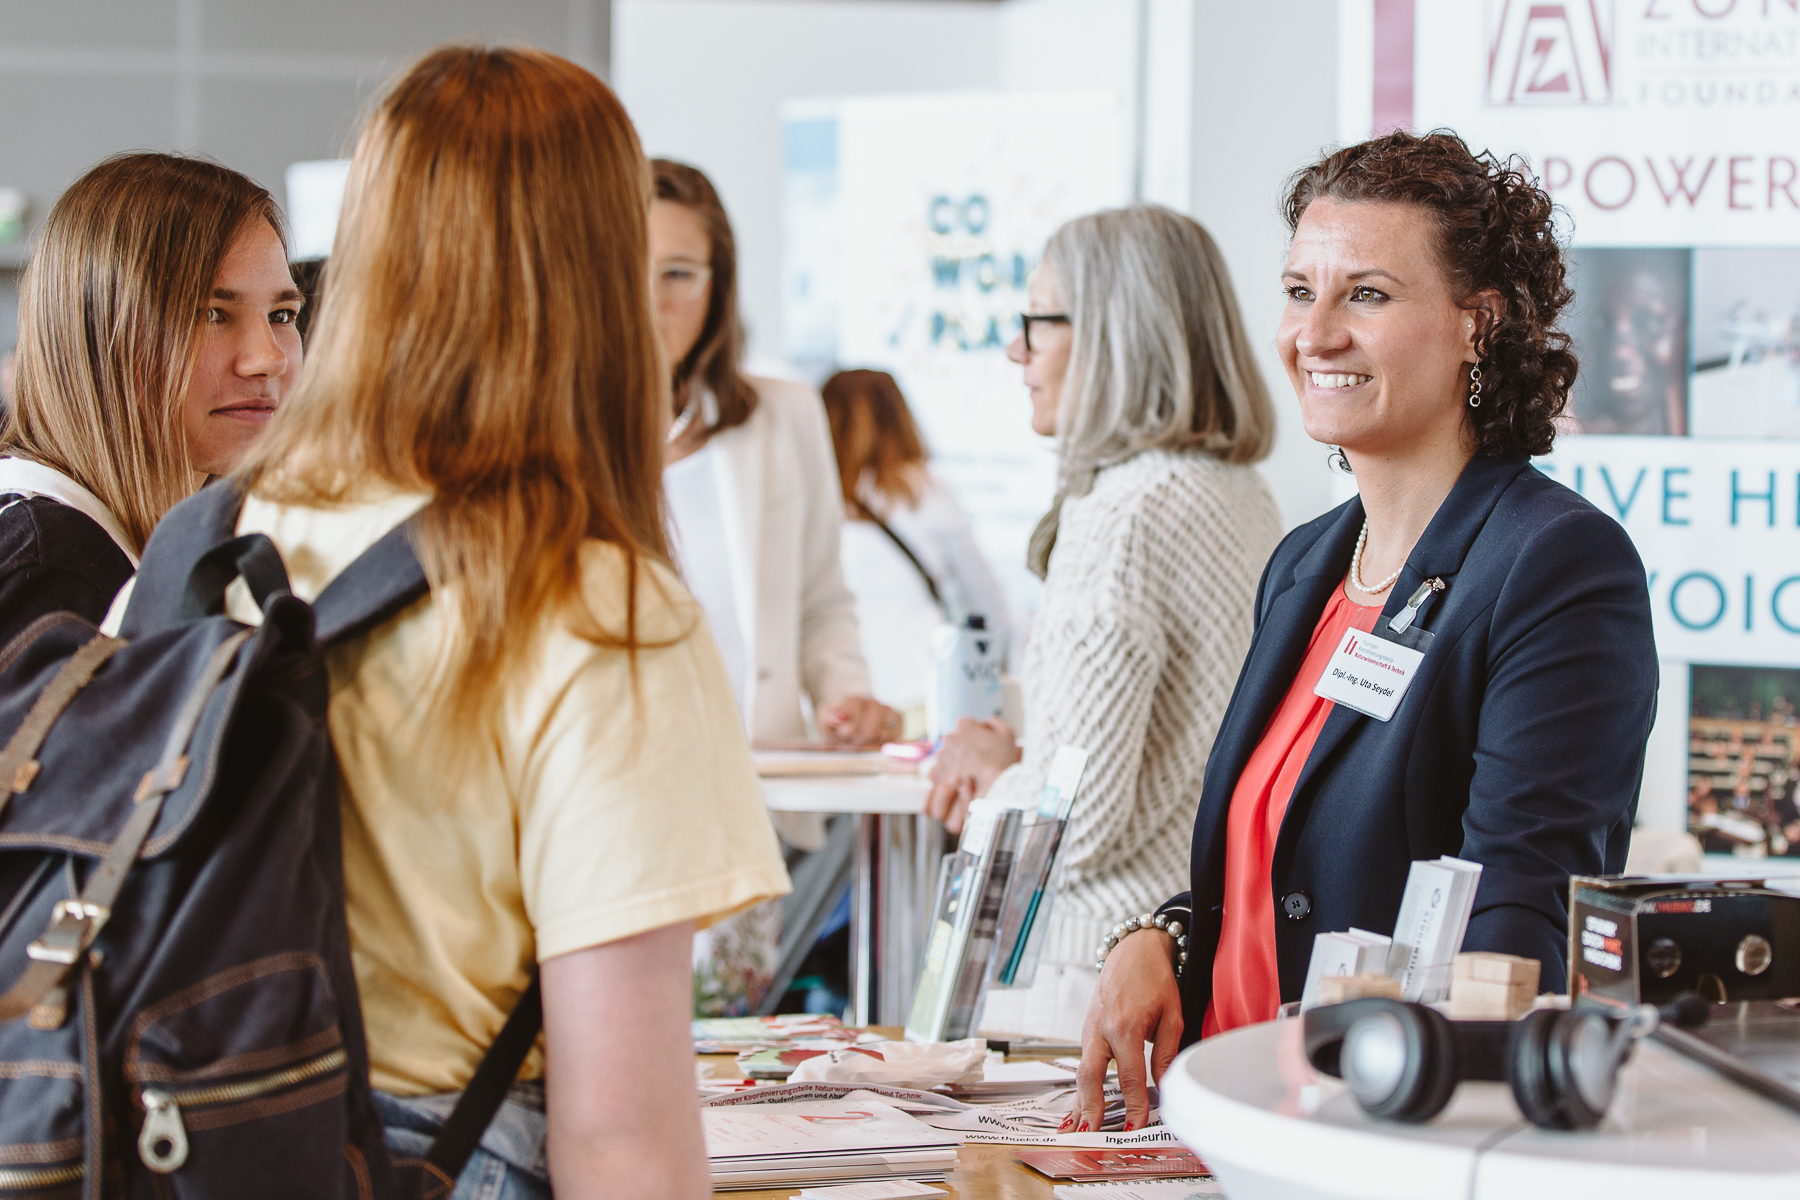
[[542, 765]]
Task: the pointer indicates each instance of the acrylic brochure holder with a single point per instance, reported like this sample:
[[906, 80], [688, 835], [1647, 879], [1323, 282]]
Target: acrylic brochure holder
[[963, 922], [1037, 874], [992, 905]]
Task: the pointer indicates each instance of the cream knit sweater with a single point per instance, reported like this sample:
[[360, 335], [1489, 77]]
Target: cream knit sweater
[[1145, 621]]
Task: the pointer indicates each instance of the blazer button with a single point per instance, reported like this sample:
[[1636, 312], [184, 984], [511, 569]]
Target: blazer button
[[1296, 905]]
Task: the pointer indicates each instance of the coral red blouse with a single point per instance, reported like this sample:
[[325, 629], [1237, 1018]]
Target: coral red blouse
[[1246, 984]]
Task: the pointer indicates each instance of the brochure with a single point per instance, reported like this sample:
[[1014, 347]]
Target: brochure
[[1025, 910], [893, 1189], [1025, 899], [838, 1141], [1434, 916], [1011, 1080], [970, 890], [978, 953], [777, 1062], [734, 1035], [1354, 952], [1094, 1166], [1161, 1189]]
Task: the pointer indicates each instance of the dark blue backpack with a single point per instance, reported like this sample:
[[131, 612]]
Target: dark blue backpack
[[180, 1016]]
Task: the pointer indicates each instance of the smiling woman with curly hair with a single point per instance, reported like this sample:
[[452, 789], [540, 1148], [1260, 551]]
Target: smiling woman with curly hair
[[1423, 285], [1494, 234]]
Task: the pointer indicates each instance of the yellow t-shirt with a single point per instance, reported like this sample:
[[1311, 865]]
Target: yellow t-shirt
[[591, 816]]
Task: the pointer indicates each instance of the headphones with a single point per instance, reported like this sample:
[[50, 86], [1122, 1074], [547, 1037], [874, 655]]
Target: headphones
[[1402, 1061]]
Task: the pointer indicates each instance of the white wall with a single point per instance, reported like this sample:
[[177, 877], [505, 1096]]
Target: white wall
[[1046, 45], [703, 80], [253, 83], [1265, 103]]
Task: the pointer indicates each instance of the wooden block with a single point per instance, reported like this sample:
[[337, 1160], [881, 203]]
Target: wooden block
[[1497, 968], [1481, 991], [1481, 1000], [1336, 989]]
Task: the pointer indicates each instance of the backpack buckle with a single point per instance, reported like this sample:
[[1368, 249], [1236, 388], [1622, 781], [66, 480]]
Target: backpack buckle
[[74, 924]]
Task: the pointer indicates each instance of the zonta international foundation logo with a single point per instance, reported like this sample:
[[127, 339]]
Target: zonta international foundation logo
[[1549, 51]]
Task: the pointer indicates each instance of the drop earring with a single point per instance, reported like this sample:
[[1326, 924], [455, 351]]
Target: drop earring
[[1475, 386]]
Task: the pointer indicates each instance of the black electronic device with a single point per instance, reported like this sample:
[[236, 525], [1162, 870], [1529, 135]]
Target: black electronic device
[[1649, 939], [1403, 1061]]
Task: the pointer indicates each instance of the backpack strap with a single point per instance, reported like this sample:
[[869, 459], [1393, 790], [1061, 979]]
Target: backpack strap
[[194, 554], [462, 1129], [18, 762], [186, 534], [384, 579]]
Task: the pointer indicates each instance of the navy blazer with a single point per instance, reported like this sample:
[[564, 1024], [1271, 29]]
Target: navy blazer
[[1519, 744]]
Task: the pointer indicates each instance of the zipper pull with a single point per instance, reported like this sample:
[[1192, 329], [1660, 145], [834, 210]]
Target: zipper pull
[[163, 1144]]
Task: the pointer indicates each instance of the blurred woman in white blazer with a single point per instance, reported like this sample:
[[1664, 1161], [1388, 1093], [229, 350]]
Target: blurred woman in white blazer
[[756, 510]]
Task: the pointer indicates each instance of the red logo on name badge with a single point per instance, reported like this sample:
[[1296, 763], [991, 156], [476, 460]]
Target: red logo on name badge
[[1351, 648], [1549, 51]]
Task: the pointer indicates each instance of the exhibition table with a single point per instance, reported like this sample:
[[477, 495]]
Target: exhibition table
[[895, 869], [1272, 1129]]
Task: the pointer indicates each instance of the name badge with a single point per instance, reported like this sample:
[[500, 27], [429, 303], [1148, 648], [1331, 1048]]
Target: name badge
[[1369, 672]]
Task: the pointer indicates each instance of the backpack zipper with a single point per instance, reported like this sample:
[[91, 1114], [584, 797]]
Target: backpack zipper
[[27, 1178], [162, 1106]]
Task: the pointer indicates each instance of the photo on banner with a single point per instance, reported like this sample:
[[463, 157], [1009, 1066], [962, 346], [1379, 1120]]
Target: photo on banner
[[1746, 344], [1743, 745], [1629, 322]]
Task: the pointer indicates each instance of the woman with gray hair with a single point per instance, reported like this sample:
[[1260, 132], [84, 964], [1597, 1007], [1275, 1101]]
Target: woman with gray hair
[[1137, 363]]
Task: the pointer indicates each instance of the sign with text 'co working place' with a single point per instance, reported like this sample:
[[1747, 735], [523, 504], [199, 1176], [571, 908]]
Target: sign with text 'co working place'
[[911, 228]]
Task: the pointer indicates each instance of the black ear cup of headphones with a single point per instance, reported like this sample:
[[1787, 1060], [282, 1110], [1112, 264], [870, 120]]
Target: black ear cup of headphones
[[1399, 1060], [1565, 1067], [1403, 1061]]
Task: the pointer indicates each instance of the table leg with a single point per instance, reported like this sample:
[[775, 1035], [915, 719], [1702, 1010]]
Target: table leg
[[865, 921], [893, 878]]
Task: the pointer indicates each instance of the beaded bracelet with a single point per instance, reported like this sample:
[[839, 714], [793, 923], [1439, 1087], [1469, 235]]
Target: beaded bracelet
[[1132, 925]]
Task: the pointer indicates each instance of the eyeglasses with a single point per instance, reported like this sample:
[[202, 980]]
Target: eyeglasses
[[1025, 320], [680, 279]]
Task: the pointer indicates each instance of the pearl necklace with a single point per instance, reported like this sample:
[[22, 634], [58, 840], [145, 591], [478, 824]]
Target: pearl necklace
[[683, 419], [1362, 539]]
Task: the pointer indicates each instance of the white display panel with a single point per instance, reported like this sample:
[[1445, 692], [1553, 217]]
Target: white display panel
[[912, 227]]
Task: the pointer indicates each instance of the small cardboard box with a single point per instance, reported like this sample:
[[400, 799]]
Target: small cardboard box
[[1648, 939]]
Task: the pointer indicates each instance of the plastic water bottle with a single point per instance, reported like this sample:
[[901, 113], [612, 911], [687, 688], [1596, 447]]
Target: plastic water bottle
[[966, 676]]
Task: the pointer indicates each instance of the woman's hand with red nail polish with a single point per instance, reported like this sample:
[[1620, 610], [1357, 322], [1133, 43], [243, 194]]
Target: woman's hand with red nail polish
[[1137, 1001]]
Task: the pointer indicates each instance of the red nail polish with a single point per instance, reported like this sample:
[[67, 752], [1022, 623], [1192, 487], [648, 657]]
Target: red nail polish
[[1084, 1127], [1128, 1127]]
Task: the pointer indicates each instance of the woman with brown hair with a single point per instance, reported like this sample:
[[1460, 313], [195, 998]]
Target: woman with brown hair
[[765, 455], [755, 509], [541, 767], [157, 337], [908, 553], [1420, 331]]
